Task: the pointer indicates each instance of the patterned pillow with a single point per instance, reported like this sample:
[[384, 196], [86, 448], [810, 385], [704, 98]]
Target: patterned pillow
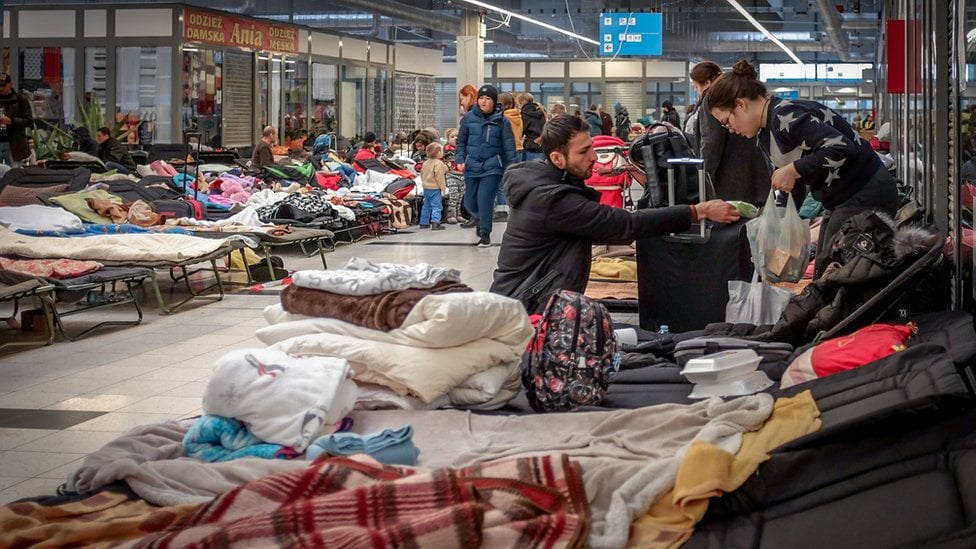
[[22, 196], [848, 352]]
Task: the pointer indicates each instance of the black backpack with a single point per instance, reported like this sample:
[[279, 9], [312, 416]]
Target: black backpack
[[651, 152]]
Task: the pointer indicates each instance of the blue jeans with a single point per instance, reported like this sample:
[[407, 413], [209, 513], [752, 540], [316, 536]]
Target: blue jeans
[[6, 155], [433, 206], [479, 199], [500, 196], [117, 167], [528, 155]]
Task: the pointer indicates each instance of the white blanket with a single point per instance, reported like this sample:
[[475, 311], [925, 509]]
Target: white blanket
[[36, 217], [444, 342], [112, 247], [281, 399]]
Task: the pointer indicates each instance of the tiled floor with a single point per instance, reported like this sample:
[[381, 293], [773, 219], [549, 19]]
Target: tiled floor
[[158, 370]]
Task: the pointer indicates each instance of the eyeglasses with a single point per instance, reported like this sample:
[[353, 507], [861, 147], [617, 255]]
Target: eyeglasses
[[728, 118]]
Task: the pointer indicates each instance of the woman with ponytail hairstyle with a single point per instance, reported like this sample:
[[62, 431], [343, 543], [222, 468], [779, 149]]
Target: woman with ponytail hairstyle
[[808, 146]]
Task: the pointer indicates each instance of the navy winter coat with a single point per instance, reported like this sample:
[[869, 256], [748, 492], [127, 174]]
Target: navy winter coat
[[485, 143]]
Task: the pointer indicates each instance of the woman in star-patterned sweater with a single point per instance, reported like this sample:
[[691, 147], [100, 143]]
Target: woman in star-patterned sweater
[[807, 144]]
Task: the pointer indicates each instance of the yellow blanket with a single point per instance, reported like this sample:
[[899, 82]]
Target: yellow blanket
[[708, 472]]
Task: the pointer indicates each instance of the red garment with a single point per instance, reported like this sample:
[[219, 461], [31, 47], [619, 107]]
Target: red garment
[[365, 153], [610, 185]]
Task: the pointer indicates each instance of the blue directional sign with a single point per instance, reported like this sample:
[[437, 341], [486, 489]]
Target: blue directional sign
[[630, 34]]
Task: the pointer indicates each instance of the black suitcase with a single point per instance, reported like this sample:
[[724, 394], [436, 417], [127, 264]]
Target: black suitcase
[[682, 279]]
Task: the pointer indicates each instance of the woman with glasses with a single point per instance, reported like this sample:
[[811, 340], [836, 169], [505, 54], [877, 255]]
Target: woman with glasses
[[809, 146], [734, 165]]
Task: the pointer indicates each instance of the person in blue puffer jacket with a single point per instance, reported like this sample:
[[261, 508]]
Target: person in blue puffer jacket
[[485, 147]]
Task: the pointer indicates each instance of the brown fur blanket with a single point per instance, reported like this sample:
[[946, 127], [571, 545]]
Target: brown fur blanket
[[385, 311]]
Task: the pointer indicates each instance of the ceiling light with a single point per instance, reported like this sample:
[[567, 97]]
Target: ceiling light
[[533, 21], [763, 30]]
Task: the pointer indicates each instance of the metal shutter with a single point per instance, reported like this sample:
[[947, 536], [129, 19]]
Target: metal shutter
[[629, 94], [238, 100]]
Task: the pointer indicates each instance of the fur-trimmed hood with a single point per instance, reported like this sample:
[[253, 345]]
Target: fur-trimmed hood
[[875, 235]]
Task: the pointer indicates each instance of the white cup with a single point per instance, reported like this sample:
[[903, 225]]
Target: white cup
[[626, 336]]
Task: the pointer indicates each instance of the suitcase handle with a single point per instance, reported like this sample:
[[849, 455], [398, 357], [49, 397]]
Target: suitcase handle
[[699, 164], [700, 236]]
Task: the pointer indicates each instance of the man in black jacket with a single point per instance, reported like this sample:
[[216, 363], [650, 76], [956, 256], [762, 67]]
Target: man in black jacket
[[112, 153], [555, 218], [15, 118]]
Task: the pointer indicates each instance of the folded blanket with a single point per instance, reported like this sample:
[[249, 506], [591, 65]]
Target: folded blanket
[[282, 399], [444, 341], [385, 311], [216, 438], [390, 447], [363, 277]]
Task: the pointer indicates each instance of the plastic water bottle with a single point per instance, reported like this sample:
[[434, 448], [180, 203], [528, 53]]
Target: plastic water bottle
[[664, 329]]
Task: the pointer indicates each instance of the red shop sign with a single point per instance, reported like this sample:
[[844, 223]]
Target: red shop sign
[[226, 30]]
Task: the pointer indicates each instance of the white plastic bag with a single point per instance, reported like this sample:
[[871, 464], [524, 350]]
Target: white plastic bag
[[755, 302], [782, 241]]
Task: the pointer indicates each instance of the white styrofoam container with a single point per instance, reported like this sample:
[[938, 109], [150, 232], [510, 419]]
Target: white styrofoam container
[[722, 366], [746, 385]]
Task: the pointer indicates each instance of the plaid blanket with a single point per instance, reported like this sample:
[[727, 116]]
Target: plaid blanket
[[344, 502]]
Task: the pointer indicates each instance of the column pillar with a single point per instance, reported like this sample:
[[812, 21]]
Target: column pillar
[[471, 51]]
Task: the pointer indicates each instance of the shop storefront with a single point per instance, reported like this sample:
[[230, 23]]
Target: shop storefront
[[163, 70], [239, 76]]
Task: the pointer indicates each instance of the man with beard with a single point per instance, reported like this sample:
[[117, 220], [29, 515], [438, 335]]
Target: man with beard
[[555, 218]]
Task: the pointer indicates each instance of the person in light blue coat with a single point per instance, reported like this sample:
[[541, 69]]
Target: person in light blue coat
[[485, 148]]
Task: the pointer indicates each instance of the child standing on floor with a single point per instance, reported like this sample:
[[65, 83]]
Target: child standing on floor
[[434, 178]]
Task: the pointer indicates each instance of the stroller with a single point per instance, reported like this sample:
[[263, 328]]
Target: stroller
[[611, 174]]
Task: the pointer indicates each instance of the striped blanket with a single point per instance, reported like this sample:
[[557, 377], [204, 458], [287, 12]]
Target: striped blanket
[[341, 502]]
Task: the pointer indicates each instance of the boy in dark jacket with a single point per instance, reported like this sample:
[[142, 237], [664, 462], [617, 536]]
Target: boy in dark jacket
[[555, 218]]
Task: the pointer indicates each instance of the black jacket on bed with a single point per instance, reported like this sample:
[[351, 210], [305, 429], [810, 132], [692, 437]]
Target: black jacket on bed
[[553, 221]]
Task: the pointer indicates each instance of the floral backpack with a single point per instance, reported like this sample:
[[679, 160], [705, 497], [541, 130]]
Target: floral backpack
[[573, 355]]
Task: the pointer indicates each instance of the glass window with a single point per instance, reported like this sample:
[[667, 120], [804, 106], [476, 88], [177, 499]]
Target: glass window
[[201, 102], [584, 94], [550, 93], [324, 80], [658, 92], [513, 87], [95, 63], [47, 75], [274, 93], [351, 107], [380, 95], [143, 85], [296, 97]]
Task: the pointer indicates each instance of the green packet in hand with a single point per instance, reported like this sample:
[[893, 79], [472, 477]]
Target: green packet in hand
[[745, 209]]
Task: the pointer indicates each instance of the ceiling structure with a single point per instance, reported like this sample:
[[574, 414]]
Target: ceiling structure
[[820, 31], [817, 30]]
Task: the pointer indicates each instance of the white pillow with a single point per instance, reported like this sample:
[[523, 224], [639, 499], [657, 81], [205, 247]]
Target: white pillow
[[84, 157]]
